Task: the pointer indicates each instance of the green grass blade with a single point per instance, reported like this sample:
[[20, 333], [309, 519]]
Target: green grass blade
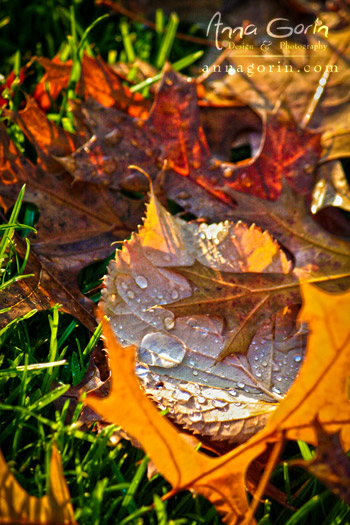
[[177, 66], [167, 41]]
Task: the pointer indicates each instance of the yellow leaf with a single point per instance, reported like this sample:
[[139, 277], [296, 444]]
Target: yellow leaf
[[17, 506]]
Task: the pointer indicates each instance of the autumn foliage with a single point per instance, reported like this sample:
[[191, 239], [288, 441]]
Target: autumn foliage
[[235, 321]]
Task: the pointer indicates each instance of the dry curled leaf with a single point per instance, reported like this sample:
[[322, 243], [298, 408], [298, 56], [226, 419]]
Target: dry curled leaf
[[17, 506], [319, 396]]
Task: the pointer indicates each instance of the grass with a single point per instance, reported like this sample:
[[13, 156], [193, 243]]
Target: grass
[[43, 353]]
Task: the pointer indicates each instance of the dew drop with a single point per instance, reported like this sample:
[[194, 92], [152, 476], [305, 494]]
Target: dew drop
[[278, 378], [276, 390], [142, 370], [238, 404], [194, 372], [191, 363], [169, 323], [181, 395], [258, 374], [141, 281], [174, 294], [196, 417], [124, 285], [297, 358], [232, 392], [130, 294], [264, 363], [158, 349], [240, 385], [201, 399], [218, 403]]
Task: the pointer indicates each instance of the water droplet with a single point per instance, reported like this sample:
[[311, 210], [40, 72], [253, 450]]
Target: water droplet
[[167, 257], [124, 285], [256, 358], [169, 323], [158, 349], [191, 363], [201, 399], [160, 295], [181, 395], [194, 372], [138, 300], [130, 294], [258, 374], [240, 385], [219, 403], [196, 416], [297, 358], [141, 281], [238, 404], [264, 363], [232, 392], [276, 390], [142, 370], [278, 378], [262, 342], [174, 294], [192, 322]]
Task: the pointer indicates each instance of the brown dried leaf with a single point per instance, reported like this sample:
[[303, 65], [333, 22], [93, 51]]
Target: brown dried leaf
[[77, 222], [188, 295], [40, 292], [318, 98]]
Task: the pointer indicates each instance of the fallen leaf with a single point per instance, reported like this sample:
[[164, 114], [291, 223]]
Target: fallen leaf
[[331, 188], [188, 295], [317, 96], [77, 223], [219, 479], [319, 394], [41, 291], [286, 150], [17, 506], [172, 136], [98, 81]]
